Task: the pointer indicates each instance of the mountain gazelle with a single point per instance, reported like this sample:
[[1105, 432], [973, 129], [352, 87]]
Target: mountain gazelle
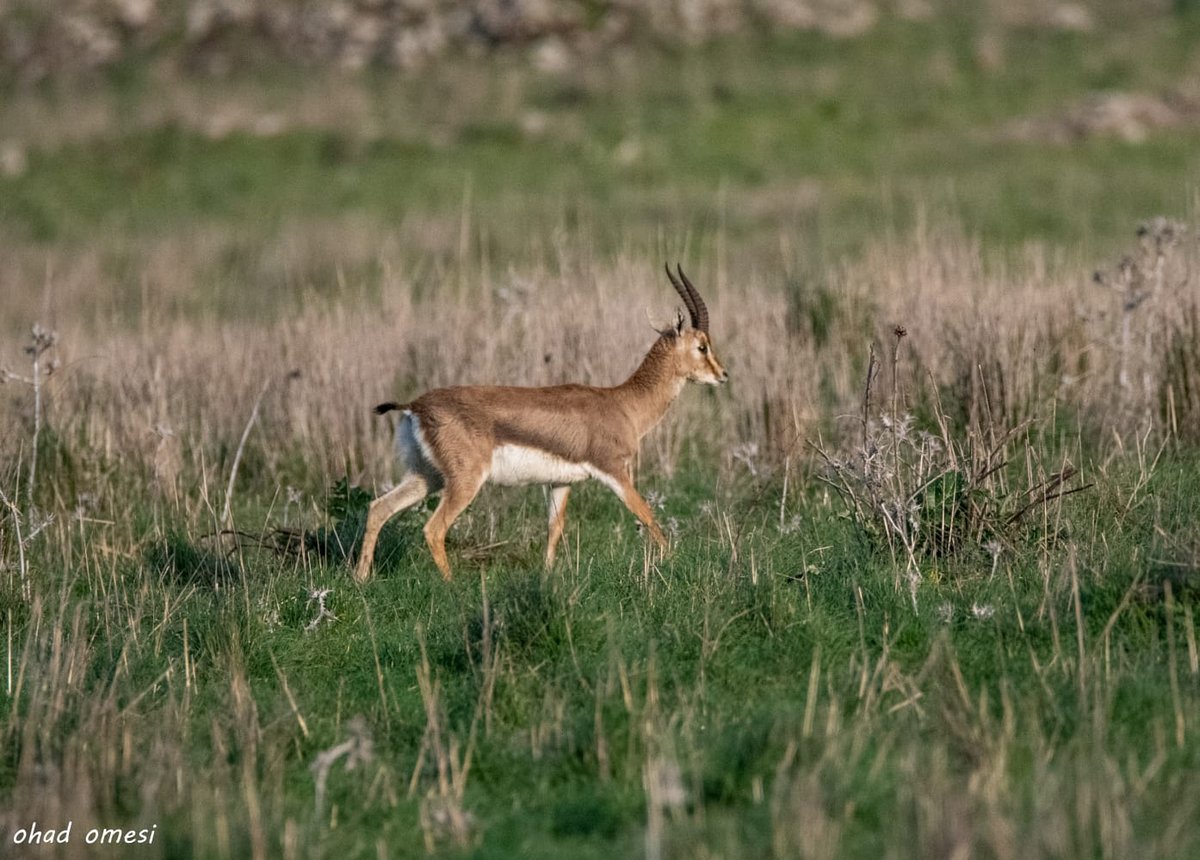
[[455, 439]]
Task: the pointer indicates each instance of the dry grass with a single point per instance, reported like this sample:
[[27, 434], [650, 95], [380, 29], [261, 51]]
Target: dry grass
[[169, 393]]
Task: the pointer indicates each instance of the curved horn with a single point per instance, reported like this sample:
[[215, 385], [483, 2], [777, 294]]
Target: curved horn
[[698, 308], [684, 294]]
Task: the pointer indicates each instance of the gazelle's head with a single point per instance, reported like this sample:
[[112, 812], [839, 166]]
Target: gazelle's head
[[693, 351]]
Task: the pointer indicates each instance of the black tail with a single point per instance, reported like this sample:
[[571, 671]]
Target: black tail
[[384, 408]]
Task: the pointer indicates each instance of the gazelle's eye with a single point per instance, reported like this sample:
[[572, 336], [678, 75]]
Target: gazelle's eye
[[703, 348]]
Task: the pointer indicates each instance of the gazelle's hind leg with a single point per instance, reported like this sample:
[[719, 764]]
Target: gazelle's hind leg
[[456, 495], [558, 519], [411, 490]]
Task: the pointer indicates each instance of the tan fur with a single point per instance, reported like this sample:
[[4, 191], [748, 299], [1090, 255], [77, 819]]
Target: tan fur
[[451, 438]]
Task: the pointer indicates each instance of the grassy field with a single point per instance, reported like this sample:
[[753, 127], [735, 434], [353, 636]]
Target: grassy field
[[949, 612]]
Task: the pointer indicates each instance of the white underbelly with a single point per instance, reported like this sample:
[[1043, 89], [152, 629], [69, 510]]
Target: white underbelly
[[515, 464]]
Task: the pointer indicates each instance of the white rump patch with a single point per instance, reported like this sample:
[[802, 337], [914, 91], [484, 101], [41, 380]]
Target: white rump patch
[[514, 465], [411, 446]]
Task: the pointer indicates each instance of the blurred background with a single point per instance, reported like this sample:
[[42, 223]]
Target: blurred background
[[320, 191], [191, 147]]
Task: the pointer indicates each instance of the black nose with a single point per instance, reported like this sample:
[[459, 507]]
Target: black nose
[[724, 375]]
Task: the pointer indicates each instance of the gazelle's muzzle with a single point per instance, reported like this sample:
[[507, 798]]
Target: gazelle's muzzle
[[720, 374], [713, 376]]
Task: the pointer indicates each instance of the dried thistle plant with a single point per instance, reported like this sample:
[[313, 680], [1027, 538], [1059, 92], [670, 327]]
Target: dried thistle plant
[[41, 341], [928, 495]]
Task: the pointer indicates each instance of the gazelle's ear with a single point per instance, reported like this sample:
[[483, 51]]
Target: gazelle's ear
[[678, 321], [662, 328]]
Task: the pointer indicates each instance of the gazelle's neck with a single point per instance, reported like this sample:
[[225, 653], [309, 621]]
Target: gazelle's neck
[[648, 393]]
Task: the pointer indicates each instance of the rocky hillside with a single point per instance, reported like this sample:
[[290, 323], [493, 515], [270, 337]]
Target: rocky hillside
[[40, 39]]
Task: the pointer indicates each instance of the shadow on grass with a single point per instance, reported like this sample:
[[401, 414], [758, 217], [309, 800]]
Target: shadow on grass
[[178, 559]]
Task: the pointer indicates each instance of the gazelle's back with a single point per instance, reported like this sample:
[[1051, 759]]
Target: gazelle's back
[[560, 421]]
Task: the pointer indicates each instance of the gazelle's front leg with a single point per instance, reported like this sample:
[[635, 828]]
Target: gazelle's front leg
[[620, 482], [411, 490], [558, 519]]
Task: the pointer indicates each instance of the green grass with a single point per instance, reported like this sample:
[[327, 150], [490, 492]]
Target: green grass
[[874, 128], [796, 659]]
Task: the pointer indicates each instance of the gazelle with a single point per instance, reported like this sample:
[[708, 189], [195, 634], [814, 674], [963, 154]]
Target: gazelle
[[455, 439]]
